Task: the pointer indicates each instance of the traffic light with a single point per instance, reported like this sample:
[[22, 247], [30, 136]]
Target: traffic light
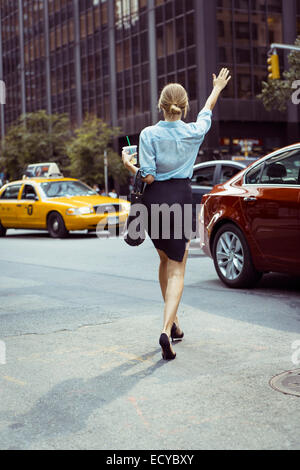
[[273, 66]]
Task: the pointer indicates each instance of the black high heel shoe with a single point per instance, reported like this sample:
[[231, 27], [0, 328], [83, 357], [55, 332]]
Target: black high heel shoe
[[174, 334], [167, 353]]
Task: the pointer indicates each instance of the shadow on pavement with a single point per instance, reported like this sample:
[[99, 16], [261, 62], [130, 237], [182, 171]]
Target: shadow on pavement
[[272, 282], [67, 407], [40, 235]]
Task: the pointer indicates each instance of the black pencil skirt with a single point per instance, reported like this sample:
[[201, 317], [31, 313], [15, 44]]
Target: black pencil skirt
[[169, 213]]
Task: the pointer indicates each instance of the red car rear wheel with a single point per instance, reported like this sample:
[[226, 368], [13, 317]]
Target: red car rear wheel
[[232, 258]]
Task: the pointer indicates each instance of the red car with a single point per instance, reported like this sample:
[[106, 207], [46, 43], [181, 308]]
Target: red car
[[250, 225]]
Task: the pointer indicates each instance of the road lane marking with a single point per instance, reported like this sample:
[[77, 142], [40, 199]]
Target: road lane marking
[[139, 411], [13, 380], [7, 282]]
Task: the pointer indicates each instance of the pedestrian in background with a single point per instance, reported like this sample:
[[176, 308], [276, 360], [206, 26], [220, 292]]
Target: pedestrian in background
[[96, 188], [167, 154], [113, 194]]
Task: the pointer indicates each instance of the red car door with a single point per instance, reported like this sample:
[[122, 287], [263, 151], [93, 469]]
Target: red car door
[[271, 209]]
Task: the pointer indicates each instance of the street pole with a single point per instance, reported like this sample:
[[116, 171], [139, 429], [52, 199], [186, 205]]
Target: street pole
[[2, 119], [106, 172], [285, 46]]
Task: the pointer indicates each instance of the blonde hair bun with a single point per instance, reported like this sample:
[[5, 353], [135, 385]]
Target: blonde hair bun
[[174, 109], [174, 99]]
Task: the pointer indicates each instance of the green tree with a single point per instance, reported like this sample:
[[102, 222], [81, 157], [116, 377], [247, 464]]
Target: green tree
[[36, 137], [86, 152], [276, 94]]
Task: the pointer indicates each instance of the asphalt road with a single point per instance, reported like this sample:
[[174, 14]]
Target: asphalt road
[[80, 320]]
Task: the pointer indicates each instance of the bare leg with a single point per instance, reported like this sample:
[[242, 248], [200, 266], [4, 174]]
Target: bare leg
[[163, 272], [173, 293]]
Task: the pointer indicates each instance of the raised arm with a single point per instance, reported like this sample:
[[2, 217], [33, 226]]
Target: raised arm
[[219, 83]]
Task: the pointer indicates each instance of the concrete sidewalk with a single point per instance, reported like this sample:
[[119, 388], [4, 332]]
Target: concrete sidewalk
[[105, 386]]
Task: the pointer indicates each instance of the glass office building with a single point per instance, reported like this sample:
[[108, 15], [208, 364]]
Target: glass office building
[[112, 58]]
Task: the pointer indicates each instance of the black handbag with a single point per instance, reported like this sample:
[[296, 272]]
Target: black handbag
[[131, 228]]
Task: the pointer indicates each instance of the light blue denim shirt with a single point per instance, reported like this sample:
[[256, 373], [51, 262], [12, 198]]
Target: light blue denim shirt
[[169, 149]]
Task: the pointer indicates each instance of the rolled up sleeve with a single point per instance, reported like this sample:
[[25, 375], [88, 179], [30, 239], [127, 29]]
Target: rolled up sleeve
[[203, 123], [146, 156]]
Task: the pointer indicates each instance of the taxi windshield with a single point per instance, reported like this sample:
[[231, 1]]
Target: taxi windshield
[[66, 188]]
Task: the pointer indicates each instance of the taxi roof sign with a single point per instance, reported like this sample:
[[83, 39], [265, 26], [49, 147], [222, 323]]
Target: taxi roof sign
[[42, 170]]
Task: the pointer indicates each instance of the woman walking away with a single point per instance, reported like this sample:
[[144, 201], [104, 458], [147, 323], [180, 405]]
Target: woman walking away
[[167, 154]]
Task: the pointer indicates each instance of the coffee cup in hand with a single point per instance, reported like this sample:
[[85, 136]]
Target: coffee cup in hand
[[131, 150]]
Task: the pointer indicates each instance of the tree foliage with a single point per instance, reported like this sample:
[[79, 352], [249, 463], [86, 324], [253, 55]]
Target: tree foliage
[[276, 94], [36, 137], [86, 152], [39, 137]]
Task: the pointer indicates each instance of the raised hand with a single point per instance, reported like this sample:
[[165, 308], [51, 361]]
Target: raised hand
[[222, 80]]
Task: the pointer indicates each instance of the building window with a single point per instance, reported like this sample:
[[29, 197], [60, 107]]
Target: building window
[[176, 48], [132, 56], [298, 17], [245, 31]]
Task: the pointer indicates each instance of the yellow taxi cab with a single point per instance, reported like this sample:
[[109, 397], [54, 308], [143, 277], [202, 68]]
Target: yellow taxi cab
[[59, 205]]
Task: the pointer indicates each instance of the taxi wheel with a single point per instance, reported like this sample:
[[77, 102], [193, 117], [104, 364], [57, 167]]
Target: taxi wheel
[[56, 226], [232, 258], [2, 230]]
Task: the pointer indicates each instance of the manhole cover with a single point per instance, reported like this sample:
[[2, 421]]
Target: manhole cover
[[287, 382]]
